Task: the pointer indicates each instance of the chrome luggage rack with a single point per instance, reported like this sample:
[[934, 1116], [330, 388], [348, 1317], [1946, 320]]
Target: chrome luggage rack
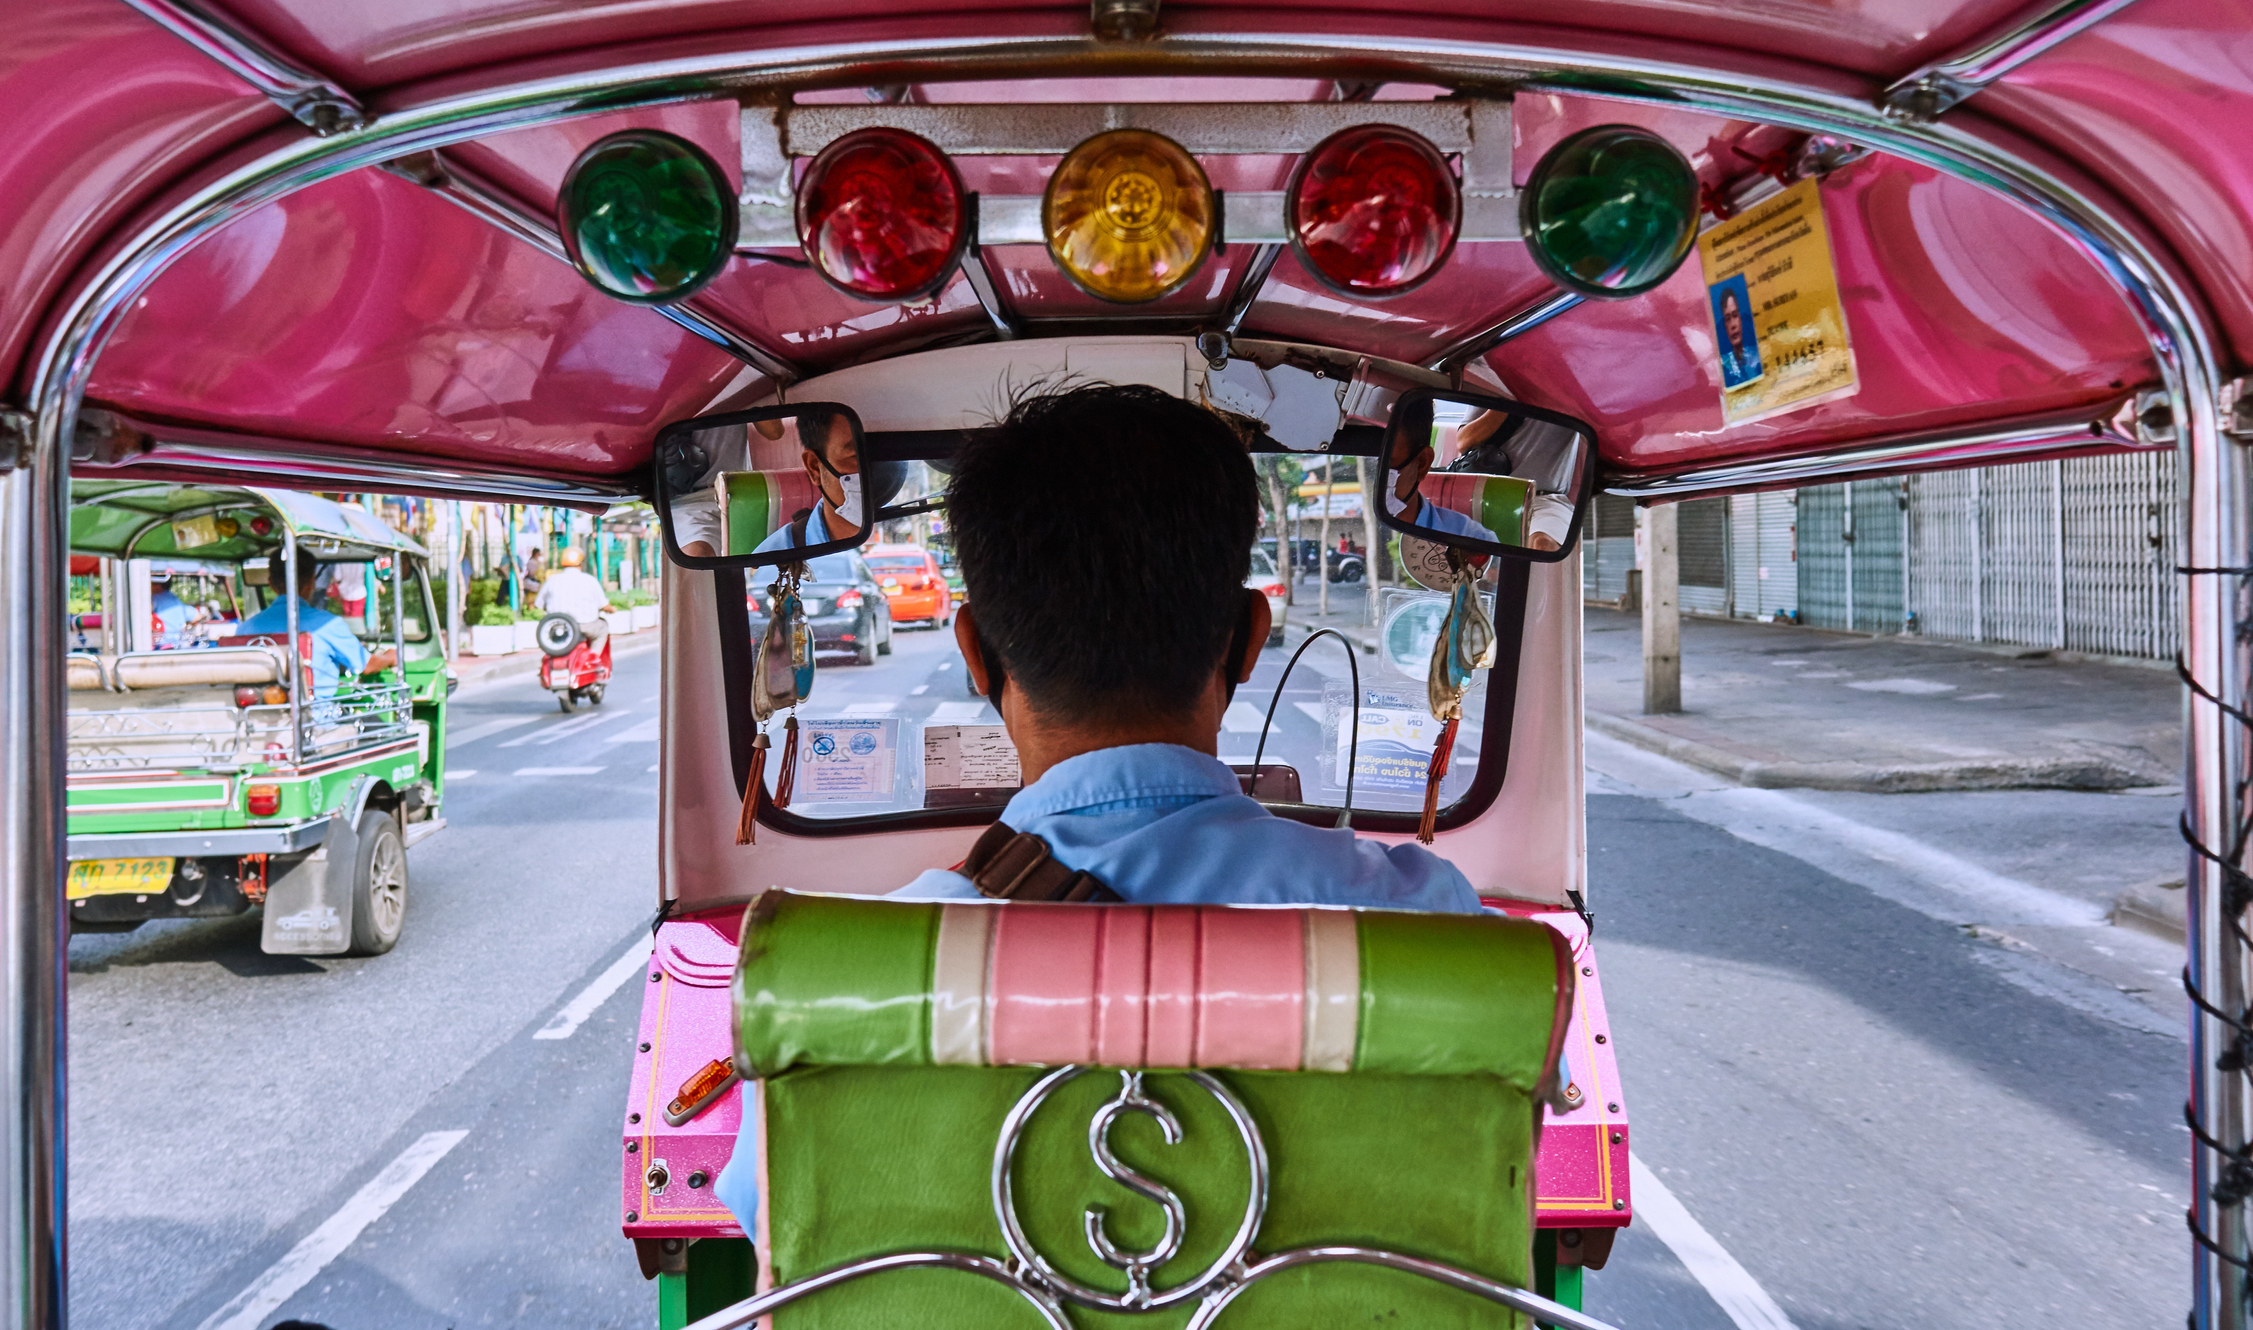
[[150, 732], [1237, 1268]]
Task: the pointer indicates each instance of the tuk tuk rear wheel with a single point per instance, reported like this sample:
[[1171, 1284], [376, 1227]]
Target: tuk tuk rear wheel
[[379, 885]]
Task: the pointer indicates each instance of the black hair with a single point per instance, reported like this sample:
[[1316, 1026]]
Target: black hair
[[1104, 534], [815, 422]]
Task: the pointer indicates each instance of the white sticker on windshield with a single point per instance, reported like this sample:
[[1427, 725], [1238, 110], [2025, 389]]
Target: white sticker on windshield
[[844, 760], [969, 757]]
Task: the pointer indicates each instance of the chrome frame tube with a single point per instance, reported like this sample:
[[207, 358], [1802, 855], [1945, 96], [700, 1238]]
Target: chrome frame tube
[[1721, 82], [323, 106], [34, 499], [305, 465], [294, 662], [1944, 84], [1517, 323]]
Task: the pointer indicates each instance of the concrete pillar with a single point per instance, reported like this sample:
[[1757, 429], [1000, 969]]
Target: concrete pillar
[[1662, 612]]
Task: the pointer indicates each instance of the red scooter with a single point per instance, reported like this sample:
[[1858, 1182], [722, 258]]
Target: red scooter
[[573, 668]]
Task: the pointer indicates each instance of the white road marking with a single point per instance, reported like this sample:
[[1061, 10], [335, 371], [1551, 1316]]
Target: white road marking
[[644, 733], [565, 730], [1242, 718], [652, 769], [919, 690], [575, 1012], [1732, 1286], [459, 775], [1311, 710], [1913, 687], [558, 771], [309, 1257], [963, 713], [486, 728], [866, 709]]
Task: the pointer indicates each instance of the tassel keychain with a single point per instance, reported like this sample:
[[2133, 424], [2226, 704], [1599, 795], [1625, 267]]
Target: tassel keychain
[[747, 826], [786, 779], [1441, 752]]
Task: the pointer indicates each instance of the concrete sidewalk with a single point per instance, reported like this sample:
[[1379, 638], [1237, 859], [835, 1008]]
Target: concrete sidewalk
[[1778, 706]]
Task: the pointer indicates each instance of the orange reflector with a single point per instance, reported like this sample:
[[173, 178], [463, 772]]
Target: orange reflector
[[1128, 215]]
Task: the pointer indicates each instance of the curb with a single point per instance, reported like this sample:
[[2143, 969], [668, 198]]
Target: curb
[[525, 664], [2157, 908], [2059, 773]]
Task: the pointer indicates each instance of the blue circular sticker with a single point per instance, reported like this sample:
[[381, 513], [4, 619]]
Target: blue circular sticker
[[862, 744], [824, 744]]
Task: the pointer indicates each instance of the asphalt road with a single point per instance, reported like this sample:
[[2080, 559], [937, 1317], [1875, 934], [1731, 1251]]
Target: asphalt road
[[1886, 1117]]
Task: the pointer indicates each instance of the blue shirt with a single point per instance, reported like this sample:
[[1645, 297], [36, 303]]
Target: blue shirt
[[337, 653], [1165, 825], [817, 531], [1453, 523], [170, 612]]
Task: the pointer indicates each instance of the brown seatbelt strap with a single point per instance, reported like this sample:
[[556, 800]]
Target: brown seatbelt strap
[[1011, 865]]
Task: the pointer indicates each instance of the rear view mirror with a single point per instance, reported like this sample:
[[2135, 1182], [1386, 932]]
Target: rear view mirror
[[1486, 475], [779, 484]]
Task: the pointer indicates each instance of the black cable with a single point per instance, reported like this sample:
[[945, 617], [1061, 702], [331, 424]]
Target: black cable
[[1353, 741], [781, 260]]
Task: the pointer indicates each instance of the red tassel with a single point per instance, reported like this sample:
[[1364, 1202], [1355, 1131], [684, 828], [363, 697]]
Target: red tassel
[[1436, 772], [747, 826], [786, 779]]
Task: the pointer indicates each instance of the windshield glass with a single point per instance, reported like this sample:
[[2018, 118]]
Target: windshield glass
[[892, 726]]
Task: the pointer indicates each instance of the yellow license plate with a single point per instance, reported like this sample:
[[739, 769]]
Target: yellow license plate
[[116, 877]]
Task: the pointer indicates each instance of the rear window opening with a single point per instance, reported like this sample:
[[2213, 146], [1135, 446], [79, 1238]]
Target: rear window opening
[[893, 737]]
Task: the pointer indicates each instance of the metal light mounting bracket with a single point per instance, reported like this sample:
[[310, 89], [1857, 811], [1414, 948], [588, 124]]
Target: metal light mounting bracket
[[1477, 129], [15, 438], [1123, 20], [2237, 409]]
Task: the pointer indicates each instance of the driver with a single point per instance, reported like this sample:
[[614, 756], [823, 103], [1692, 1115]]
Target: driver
[[834, 467], [572, 590], [1479, 442], [337, 653], [1110, 624]]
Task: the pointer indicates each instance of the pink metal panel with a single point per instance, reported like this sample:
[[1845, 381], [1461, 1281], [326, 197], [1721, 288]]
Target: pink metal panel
[[103, 107], [686, 1021], [365, 311], [1580, 1169], [1960, 309], [2144, 99]]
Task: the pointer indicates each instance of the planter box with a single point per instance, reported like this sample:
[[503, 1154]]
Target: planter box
[[488, 640], [645, 616], [619, 621], [528, 635]]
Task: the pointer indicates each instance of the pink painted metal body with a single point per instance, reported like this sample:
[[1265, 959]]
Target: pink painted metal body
[[1580, 1173], [686, 1022]]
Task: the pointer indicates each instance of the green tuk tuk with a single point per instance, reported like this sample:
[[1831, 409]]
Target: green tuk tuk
[[212, 770]]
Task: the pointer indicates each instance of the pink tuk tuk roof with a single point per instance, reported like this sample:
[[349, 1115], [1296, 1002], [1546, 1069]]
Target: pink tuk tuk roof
[[362, 310]]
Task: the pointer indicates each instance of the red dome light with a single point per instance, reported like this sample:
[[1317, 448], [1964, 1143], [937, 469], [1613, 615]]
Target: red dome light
[[1373, 210], [882, 215]]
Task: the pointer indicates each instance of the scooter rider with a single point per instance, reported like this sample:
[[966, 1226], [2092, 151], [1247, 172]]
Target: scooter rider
[[572, 590]]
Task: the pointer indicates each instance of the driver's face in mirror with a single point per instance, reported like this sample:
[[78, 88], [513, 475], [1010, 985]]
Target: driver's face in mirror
[[833, 463], [1478, 448]]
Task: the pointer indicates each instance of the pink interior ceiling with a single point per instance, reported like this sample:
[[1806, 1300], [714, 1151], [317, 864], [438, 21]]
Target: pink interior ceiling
[[1961, 309]]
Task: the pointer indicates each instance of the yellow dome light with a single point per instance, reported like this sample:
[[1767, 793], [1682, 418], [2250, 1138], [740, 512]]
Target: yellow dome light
[[1128, 215]]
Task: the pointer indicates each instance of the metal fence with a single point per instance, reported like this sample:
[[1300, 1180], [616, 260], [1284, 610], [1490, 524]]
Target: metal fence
[[2074, 554]]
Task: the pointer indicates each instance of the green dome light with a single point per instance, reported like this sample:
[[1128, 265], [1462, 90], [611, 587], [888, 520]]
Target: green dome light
[[1611, 211], [647, 216]]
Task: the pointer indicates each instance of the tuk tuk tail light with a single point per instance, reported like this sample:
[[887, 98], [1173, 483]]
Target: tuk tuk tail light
[[883, 215], [248, 695], [276, 695], [263, 800], [1373, 210], [1129, 215]]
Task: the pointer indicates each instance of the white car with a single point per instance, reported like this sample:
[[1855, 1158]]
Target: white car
[[1264, 579]]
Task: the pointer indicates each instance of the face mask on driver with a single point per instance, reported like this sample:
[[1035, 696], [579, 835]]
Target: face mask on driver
[[849, 511], [1394, 504]]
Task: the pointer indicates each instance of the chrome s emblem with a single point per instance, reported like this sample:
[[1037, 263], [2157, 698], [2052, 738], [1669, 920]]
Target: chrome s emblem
[[1138, 1266]]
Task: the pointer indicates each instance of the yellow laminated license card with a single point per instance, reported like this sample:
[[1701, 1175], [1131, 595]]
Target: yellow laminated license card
[[1779, 328], [114, 877]]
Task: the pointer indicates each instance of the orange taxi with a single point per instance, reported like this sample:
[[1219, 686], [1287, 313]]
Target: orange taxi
[[913, 582]]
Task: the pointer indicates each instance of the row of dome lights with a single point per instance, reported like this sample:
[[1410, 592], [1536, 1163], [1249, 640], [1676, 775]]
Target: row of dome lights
[[1129, 215]]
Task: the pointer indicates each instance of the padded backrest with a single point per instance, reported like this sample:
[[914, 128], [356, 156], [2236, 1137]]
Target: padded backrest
[[838, 981], [1501, 504], [85, 673], [208, 666], [755, 504]]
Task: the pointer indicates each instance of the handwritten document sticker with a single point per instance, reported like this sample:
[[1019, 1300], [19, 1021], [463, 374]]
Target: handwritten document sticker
[[1779, 328]]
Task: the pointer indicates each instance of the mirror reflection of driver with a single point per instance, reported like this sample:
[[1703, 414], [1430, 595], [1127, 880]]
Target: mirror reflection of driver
[[833, 463], [1480, 450]]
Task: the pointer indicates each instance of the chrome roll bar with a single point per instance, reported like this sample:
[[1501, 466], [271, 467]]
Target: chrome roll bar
[[2218, 595]]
